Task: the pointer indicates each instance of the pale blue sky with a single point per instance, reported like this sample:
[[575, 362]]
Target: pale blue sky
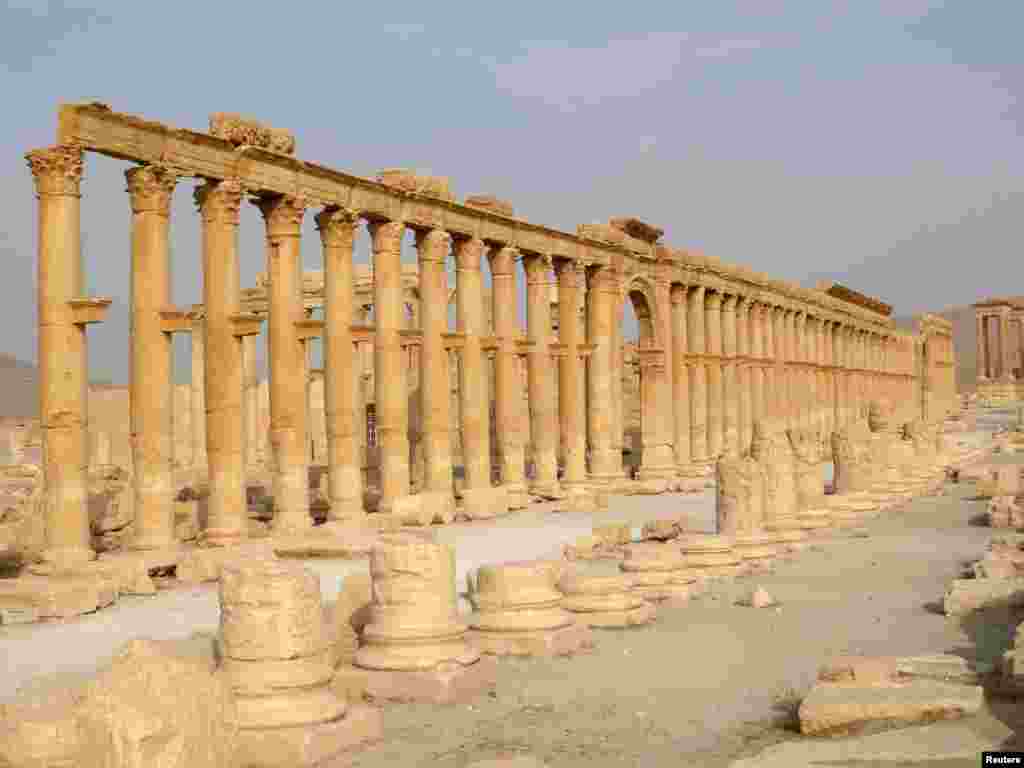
[[877, 142]]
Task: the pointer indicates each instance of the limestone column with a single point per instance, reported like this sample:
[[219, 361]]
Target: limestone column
[[798, 377], [665, 406], [508, 394], [289, 430], [743, 374], [389, 365], [253, 456], [713, 329], [768, 369], [1005, 347], [756, 369], [838, 374], [680, 381], [605, 466], [151, 402], [781, 388], [695, 316], [63, 357], [825, 378], [618, 373], [730, 393], [338, 228], [571, 415], [981, 348], [219, 203], [543, 418], [197, 401]]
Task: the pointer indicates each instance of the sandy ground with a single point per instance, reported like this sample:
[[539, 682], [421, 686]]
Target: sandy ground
[[708, 682]]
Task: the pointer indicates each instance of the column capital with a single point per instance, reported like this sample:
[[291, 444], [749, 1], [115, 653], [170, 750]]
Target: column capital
[[502, 259], [713, 301], [219, 201], [538, 267], [283, 214], [386, 234], [337, 226], [468, 252], [433, 246], [729, 302], [151, 187], [677, 295], [57, 170]]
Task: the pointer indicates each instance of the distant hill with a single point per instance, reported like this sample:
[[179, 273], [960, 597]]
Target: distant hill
[[19, 387]]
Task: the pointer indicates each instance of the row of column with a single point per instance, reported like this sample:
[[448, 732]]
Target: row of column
[[997, 357]]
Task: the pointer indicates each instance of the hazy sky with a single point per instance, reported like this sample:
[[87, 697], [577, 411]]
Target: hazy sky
[[877, 142]]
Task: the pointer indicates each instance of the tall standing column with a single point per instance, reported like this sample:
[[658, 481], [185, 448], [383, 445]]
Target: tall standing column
[[713, 329], [768, 369], [253, 456], [389, 368], [63, 360], [1005, 347], [151, 401], [338, 227], [730, 392], [755, 370], [798, 350], [838, 374], [289, 431], [697, 339], [981, 348], [508, 395], [680, 382], [570, 408], [219, 203], [666, 406], [605, 465], [197, 399], [543, 418], [479, 499], [743, 374]]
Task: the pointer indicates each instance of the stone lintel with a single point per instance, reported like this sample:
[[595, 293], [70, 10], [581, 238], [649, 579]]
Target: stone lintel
[[175, 320], [87, 310], [246, 324], [309, 328]]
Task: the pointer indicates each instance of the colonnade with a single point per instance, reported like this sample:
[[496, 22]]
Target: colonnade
[[1000, 348], [720, 346]]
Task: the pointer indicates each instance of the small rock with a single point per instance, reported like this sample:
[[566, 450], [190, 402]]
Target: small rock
[[759, 598]]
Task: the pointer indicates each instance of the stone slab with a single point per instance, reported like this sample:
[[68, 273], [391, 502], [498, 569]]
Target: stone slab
[[841, 709], [960, 740], [446, 684], [333, 540], [311, 745], [565, 641], [888, 669], [27, 614]]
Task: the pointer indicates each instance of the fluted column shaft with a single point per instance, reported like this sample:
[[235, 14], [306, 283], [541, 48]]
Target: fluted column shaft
[[696, 337], [63, 356], [603, 297], [543, 414], [151, 401], [508, 395], [219, 203], [680, 379], [571, 415], [716, 405], [730, 391], [252, 453], [197, 399], [338, 228]]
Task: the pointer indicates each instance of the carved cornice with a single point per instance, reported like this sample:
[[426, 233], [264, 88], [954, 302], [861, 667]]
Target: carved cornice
[[57, 170]]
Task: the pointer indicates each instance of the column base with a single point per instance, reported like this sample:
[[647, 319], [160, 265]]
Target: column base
[[448, 683], [547, 490], [60, 559], [345, 509], [578, 498], [153, 543], [485, 503], [518, 495]]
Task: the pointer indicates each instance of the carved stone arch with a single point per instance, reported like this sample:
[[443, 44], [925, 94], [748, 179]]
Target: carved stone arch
[[638, 289]]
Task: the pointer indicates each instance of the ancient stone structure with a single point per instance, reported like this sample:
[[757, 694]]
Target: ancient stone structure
[[1000, 339], [710, 556], [605, 601], [660, 571], [718, 345]]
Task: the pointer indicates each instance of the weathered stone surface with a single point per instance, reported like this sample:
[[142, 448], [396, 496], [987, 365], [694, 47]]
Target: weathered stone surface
[[759, 598], [887, 670], [838, 709], [490, 203], [519, 761], [967, 595]]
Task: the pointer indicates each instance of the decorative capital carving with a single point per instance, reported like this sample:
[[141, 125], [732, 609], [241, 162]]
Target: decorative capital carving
[[219, 201], [283, 214], [337, 226], [151, 187], [386, 235], [468, 252], [713, 301], [729, 303], [433, 246], [538, 267], [503, 259], [57, 170]]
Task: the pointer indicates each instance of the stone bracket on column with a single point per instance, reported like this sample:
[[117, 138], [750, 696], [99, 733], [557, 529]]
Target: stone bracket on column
[[410, 337], [174, 320], [523, 347], [453, 340], [652, 358], [246, 324], [88, 310], [309, 328]]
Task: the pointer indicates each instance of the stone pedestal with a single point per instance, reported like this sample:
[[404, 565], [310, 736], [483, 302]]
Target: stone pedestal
[[710, 556], [275, 655], [414, 646], [519, 612], [605, 601], [659, 571], [809, 486]]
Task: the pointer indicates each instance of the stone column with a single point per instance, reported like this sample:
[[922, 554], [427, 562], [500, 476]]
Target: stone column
[[698, 375], [543, 418], [571, 414], [389, 365], [219, 203], [769, 351], [151, 404], [838, 377], [743, 374], [825, 378], [662, 323], [338, 228], [798, 376], [756, 367], [605, 465], [252, 455], [618, 372], [716, 405], [680, 381], [508, 395], [1005, 347], [289, 431], [981, 349], [197, 402], [478, 498], [63, 355], [730, 393]]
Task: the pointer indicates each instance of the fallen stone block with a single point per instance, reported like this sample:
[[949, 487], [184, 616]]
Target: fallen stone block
[[886, 670], [967, 595], [842, 709]]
